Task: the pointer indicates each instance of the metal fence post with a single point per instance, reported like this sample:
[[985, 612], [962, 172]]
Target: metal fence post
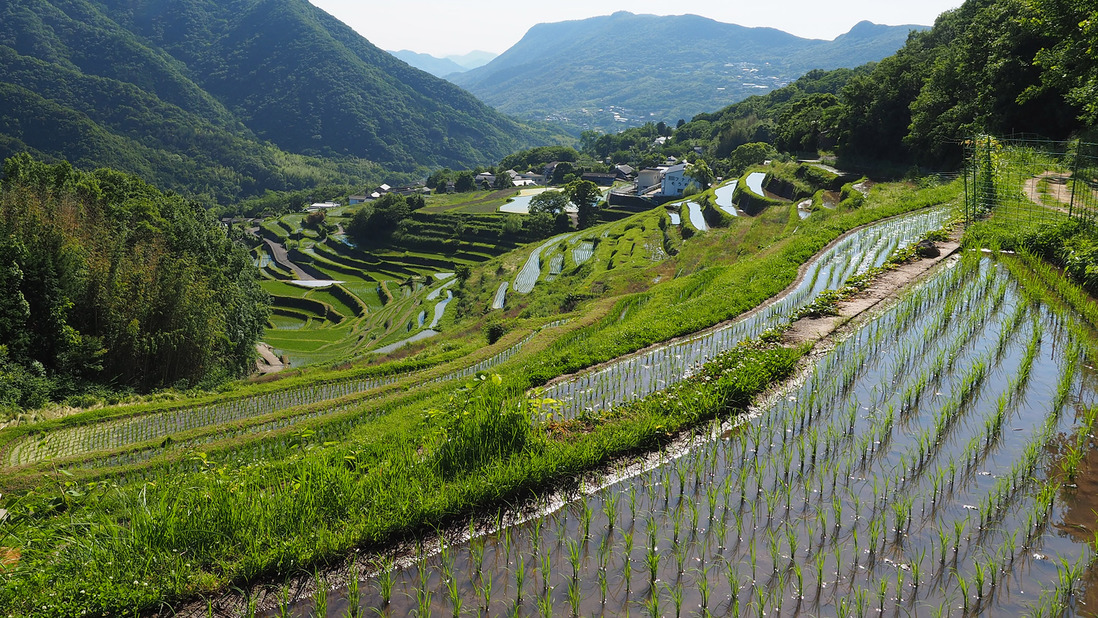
[[1074, 180]]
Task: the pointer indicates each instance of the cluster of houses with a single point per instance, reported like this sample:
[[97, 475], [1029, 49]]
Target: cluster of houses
[[652, 184], [384, 189]]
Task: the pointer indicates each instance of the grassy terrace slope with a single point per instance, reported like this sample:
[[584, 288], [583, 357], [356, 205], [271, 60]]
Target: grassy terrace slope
[[388, 293], [326, 460]]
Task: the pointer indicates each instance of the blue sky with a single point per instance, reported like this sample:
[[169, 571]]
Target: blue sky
[[448, 27]]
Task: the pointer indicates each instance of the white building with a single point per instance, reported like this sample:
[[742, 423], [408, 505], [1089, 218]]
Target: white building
[[675, 181], [648, 178]]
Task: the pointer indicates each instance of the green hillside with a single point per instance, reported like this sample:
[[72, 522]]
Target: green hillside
[[229, 99], [1003, 67], [622, 70]]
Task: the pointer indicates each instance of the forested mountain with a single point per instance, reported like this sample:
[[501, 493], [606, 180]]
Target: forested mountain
[[623, 69], [449, 65], [228, 98], [997, 66], [472, 60]]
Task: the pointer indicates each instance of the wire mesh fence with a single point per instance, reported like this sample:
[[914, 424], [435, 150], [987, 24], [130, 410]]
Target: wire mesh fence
[[1031, 180]]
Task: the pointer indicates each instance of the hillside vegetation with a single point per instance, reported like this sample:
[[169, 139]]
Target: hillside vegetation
[[992, 66], [108, 284], [653, 68], [229, 99]]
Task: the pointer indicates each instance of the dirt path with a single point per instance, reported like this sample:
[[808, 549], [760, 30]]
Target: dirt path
[[1058, 189], [282, 258], [883, 288], [268, 361]]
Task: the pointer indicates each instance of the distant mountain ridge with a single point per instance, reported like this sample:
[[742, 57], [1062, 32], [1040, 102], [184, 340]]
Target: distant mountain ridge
[[448, 65], [640, 68], [228, 97], [439, 67]]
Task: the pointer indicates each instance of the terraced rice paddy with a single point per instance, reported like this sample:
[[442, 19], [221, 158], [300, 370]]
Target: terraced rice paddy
[[440, 309], [121, 433], [755, 182], [724, 195], [658, 368], [70, 441], [929, 464], [697, 219], [531, 270], [501, 295], [583, 252]]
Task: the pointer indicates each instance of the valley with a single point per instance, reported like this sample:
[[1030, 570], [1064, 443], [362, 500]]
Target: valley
[[289, 327]]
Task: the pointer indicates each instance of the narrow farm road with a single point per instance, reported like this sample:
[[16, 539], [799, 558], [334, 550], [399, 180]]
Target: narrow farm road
[[1058, 189], [282, 258]]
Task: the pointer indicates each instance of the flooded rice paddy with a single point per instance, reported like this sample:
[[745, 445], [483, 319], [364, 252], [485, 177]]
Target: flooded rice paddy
[[932, 463], [656, 369]]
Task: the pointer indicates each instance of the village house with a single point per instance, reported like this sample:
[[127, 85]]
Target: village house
[[665, 181], [602, 180], [648, 178], [625, 172]]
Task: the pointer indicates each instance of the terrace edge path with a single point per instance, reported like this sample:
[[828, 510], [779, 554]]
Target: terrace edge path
[[885, 286], [801, 272], [282, 258]]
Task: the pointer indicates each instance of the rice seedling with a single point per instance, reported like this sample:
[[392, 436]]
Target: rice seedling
[[353, 594], [454, 591], [320, 597], [520, 578], [574, 596], [385, 580]]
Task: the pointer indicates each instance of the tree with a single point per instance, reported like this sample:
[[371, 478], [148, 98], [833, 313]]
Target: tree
[[141, 289], [462, 272], [561, 170], [512, 224], [701, 173], [749, 154], [439, 179], [539, 225], [562, 223], [503, 181], [550, 202], [1068, 62], [465, 182], [584, 194], [374, 223]]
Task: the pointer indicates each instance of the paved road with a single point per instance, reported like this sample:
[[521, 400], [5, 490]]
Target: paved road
[[278, 252]]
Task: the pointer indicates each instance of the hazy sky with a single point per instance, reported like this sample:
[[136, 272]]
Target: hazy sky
[[443, 27]]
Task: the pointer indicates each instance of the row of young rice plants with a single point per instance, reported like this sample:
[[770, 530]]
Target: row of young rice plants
[[531, 270], [921, 467], [582, 251], [112, 435], [653, 370]]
